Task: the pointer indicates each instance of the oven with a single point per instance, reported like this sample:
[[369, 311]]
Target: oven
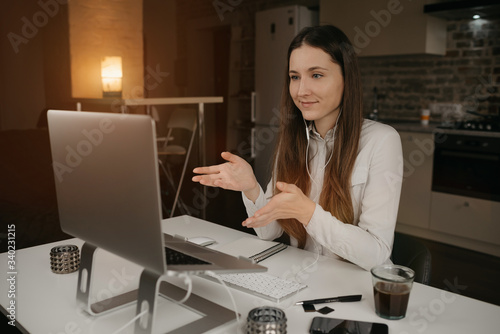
[[467, 166]]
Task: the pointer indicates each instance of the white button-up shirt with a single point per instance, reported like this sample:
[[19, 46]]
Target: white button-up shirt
[[375, 190]]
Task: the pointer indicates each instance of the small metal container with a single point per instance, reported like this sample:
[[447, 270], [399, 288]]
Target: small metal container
[[266, 320], [64, 259]]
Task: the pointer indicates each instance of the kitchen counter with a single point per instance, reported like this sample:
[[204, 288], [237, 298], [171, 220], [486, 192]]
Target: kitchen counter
[[444, 196], [411, 126], [415, 126]]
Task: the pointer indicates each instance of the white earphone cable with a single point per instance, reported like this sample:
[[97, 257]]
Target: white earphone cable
[[329, 159], [317, 251]]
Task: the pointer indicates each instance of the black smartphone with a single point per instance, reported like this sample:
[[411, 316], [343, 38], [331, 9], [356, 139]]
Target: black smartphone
[[322, 325]]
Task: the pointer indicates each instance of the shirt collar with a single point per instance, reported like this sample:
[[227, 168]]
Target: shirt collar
[[315, 134]]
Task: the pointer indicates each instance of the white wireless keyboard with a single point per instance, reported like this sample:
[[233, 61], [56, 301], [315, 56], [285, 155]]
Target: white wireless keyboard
[[262, 285]]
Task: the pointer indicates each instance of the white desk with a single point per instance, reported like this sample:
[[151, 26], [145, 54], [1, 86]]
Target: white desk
[[46, 303]]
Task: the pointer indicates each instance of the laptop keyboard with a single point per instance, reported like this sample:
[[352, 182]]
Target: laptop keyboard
[[175, 257]]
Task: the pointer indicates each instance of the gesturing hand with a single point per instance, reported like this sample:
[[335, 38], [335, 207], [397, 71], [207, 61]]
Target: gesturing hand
[[290, 203], [235, 174]]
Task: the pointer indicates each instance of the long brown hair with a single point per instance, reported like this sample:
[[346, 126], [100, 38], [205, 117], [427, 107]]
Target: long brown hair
[[290, 152]]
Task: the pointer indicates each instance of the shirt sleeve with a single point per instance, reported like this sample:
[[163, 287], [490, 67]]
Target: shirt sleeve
[[272, 230], [367, 242]]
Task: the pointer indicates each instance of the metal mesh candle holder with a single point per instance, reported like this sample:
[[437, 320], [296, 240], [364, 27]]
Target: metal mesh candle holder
[[64, 259], [266, 320]]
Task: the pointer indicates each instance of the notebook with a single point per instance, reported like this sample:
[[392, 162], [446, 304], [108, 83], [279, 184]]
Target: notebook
[[252, 248], [108, 193]]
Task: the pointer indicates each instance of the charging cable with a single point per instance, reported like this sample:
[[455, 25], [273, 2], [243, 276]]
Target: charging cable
[[130, 322], [211, 273], [187, 280]]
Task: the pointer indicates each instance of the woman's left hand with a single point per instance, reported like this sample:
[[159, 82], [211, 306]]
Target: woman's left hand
[[289, 203]]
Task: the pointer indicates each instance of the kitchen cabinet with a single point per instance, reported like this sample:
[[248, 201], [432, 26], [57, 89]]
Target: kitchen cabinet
[[386, 27], [466, 217], [461, 221], [414, 205]]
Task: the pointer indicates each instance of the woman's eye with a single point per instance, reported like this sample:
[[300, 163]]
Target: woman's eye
[[294, 77], [317, 75]]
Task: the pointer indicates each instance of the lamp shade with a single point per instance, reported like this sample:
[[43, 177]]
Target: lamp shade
[[111, 75]]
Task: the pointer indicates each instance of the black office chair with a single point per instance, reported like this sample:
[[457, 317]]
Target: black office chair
[[409, 252]]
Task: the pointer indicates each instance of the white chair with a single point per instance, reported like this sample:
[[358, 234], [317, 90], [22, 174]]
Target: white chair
[[179, 119]]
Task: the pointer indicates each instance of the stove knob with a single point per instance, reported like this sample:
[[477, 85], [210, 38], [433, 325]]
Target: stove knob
[[488, 127]]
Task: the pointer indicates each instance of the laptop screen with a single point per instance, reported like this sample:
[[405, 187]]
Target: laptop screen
[[106, 175]]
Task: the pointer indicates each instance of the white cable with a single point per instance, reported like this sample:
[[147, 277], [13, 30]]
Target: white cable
[[130, 322], [329, 159], [228, 291], [189, 283], [316, 248], [187, 280], [310, 176]]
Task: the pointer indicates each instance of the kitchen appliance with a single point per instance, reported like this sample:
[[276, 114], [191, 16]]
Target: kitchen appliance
[[481, 122], [467, 165], [274, 30]]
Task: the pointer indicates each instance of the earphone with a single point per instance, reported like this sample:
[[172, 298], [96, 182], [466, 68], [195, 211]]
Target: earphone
[[307, 152], [307, 132]]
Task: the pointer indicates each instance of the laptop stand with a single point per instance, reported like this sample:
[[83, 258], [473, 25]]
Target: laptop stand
[[150, 286]]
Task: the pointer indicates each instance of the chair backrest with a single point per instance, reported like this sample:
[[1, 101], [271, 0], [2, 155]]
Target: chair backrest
[[183, 118], [408, 251]]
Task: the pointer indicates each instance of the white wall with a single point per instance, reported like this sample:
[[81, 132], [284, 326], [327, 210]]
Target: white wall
[[105, 28]]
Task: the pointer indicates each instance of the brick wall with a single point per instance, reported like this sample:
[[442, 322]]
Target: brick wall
[[469, 74]]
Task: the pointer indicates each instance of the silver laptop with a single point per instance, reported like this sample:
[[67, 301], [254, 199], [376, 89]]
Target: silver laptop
[[108, 193]]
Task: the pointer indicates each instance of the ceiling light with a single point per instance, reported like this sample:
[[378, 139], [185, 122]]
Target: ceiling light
[[475, 17]]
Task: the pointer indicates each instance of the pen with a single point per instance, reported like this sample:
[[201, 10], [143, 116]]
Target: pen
[[342, 299]]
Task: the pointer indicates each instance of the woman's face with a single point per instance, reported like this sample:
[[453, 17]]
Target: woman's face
[[316, 86]]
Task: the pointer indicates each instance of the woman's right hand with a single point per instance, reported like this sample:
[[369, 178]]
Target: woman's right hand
[[235, 174]]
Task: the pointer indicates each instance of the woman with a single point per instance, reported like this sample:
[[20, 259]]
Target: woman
[[337, 177]]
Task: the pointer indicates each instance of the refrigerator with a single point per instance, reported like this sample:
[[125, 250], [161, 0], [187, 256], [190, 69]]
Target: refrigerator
[[274, 30]]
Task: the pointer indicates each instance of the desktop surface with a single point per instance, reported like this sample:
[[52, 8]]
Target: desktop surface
[[46, 302]]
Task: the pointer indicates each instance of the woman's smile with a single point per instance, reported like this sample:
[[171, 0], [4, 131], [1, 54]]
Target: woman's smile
[[307, 104]]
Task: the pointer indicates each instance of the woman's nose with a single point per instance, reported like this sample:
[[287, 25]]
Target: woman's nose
[[303, 88]]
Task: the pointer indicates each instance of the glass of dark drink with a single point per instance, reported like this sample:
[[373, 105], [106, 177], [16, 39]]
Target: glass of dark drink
[[391, 290]]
